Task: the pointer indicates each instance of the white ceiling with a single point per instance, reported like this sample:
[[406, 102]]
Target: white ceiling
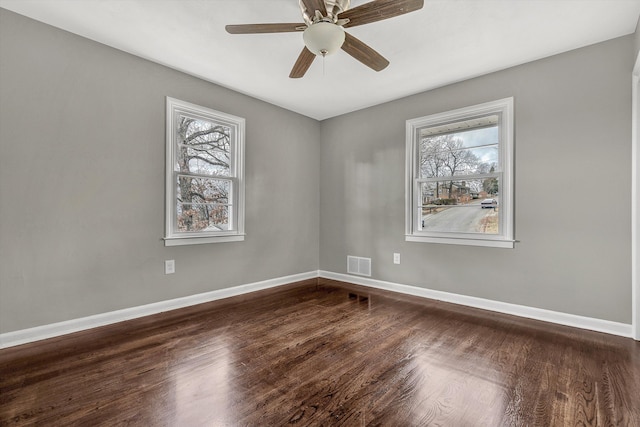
[[445, 42]]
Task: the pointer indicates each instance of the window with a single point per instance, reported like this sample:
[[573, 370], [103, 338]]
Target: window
[[204, 175], [459, 182]]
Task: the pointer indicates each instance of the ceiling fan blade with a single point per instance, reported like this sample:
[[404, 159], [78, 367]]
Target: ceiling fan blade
[[265, 28], [378, 10], [302, 64], [364, 53], [313, 5]]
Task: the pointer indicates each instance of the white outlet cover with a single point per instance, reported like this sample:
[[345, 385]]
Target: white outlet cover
[[396, 258], [169, 266]]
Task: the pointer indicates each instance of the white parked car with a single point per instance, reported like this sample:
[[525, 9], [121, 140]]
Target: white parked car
[[489, 203]]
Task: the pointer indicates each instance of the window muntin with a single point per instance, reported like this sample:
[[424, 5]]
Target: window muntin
[[205, 186], [459, 176]]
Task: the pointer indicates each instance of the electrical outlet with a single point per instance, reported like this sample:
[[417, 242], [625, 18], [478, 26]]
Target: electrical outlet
[[169, 266], [396, 258]]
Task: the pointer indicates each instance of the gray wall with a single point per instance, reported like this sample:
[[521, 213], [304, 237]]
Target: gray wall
[[82, 185], [636, 40], [572, 183], [82, 146]]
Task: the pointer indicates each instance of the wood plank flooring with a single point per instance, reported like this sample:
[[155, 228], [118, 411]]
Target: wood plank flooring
[[324, 354]]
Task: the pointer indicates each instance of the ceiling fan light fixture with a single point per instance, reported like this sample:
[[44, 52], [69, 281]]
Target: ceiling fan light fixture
[[323, 38]]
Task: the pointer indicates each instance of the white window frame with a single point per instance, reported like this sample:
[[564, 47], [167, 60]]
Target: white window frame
[[505, 236], [174, 108]]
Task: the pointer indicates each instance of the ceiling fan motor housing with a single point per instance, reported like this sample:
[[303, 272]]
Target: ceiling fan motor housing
[[333, 8]]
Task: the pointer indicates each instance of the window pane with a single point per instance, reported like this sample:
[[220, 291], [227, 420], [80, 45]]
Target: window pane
[[460, 219], [459, 153], [203, 147], [202, 190], [192, 217], [463, 206]]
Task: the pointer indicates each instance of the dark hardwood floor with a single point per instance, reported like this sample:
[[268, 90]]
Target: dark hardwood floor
[[324, 355]]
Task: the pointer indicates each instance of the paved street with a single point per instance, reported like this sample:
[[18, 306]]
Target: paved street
[[462, 218]]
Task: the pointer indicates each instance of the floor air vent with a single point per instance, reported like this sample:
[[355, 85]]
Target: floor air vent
[[358, 265]]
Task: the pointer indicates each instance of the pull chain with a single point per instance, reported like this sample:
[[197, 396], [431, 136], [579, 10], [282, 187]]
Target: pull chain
[[324, 55]]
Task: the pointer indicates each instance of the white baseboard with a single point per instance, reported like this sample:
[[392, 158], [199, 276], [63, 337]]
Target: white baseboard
[[38, 333], [606, 326]]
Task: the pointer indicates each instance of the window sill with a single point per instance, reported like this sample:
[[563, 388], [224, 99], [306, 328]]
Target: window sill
[[507, 244], [182, 241]]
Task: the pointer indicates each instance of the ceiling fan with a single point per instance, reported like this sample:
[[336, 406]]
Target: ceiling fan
[[323, 29]]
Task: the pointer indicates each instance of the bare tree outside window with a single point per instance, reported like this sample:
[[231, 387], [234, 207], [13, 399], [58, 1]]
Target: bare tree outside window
[[203, 149], [447, 156]]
